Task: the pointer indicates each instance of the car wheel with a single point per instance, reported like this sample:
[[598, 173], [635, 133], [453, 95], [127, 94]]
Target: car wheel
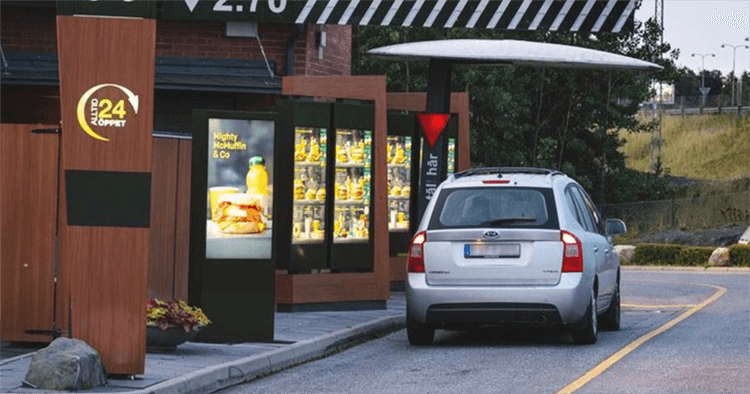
[[611, 319], [587, 334], [419, 333]]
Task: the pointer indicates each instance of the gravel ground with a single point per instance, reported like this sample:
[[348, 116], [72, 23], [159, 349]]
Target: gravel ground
[[719, 236]]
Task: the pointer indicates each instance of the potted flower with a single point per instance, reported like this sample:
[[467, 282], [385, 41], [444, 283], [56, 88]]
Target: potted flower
[[170, 323]]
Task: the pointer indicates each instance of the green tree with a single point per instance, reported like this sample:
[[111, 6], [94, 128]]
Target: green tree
[[534, 116]]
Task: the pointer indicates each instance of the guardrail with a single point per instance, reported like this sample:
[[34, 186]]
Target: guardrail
[[707, 110], [649, 112]]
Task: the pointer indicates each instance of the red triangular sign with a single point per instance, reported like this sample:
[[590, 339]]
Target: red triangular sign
[[433, 125]]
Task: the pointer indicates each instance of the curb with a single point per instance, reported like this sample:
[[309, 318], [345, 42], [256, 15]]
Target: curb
[[240, 371], [16, 358], [725, 270]]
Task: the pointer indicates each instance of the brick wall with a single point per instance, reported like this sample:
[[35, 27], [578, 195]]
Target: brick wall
[[207, 39], [337, 54], [33, 29], [194, 39], [28, 29]]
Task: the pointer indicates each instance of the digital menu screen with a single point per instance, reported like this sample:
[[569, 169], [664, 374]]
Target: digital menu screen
[[239, 220]]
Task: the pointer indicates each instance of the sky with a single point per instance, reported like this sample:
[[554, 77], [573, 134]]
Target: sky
[[701, 26]]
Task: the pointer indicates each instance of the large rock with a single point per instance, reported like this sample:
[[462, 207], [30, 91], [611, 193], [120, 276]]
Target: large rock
[[66, 364], [625, 252], [719, 258]]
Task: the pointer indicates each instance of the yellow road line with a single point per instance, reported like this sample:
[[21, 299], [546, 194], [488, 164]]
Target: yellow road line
[[649, 306], [640, 341]]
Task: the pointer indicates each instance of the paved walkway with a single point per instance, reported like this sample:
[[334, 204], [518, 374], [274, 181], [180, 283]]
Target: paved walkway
[[203, 368]]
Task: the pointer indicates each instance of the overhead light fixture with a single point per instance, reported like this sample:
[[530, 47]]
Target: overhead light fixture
[[242, 29]]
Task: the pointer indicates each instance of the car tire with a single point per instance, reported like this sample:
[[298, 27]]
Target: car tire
[[587, 334], [419, 334], [610, 320]]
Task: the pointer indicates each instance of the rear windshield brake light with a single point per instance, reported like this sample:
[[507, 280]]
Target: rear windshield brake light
[[496, 181]]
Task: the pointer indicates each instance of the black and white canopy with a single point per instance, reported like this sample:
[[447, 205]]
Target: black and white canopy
[[524, 15], [552, 15]]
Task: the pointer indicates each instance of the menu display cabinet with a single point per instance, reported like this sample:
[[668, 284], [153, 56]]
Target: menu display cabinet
[[352, 249], [327, 202], [402, 131], [304, 193]]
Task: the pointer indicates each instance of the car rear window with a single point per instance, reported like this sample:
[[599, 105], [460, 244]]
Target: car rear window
[[495, 207]]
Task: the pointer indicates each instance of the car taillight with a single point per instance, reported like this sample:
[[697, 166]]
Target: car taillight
[[572, 252], [416, 253]]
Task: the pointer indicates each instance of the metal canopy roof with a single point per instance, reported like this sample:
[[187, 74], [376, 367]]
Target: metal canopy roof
[[185, 74], [512, 52]]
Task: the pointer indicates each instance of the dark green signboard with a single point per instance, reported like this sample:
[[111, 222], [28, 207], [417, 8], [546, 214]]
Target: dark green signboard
[[525, 15], [132, 8], [281, 11]]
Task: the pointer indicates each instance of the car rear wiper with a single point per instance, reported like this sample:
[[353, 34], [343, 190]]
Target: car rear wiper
[[495, 222]]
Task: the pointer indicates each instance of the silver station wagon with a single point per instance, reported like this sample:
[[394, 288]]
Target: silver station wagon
[[501, 246]]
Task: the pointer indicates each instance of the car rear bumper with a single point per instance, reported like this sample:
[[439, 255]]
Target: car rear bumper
[[564, 303]]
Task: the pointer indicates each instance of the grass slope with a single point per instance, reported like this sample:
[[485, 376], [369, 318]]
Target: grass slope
[[711, 147]]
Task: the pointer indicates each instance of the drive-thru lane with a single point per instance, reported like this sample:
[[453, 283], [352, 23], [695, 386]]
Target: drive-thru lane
[[707, 352], [690, 342]]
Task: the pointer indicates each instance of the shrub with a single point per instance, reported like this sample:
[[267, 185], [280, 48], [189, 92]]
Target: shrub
[[657, 254], [739, 255], [165, 314], [695, 255]]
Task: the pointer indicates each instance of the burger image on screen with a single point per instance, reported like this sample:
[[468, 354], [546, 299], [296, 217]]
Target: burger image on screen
[[239, 213]]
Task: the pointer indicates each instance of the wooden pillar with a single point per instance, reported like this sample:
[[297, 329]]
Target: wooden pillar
[[106, 92]]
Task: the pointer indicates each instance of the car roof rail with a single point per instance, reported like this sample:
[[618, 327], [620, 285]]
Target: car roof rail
[[507, 170]]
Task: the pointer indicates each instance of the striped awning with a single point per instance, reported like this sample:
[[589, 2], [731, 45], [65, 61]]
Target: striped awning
[[523, 15], [552, 15]]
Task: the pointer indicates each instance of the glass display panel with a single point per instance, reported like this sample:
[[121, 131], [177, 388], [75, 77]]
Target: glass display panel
[[399, 182], [451, 156], [352, 185], [308, 220], [240, 189]]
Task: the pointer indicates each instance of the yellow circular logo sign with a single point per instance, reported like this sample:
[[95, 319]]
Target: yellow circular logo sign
[[104, 107]]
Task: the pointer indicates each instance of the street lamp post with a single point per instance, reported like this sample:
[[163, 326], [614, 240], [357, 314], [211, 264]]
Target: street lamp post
[[704, 91], [734, 56]]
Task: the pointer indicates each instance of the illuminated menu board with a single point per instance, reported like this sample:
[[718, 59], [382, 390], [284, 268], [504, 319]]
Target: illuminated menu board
[[239, 220]]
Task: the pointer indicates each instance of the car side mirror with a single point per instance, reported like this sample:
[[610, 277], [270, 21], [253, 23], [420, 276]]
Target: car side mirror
[[616, 227]]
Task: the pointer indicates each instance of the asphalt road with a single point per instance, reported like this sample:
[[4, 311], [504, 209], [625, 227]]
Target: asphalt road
[[681, 333]]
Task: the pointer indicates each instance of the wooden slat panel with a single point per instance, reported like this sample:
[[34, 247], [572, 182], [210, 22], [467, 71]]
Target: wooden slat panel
[[106, 290], [417, 102], [105, 269], [398, 269], [93, 51], [461, 101], [163, 201], [182, 219], [322, 288], [27, 241]]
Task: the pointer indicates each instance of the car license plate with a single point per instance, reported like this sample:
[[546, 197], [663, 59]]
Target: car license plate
[[491, 251]]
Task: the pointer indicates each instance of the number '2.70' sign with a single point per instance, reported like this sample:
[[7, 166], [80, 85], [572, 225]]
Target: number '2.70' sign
[[223, 10]]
